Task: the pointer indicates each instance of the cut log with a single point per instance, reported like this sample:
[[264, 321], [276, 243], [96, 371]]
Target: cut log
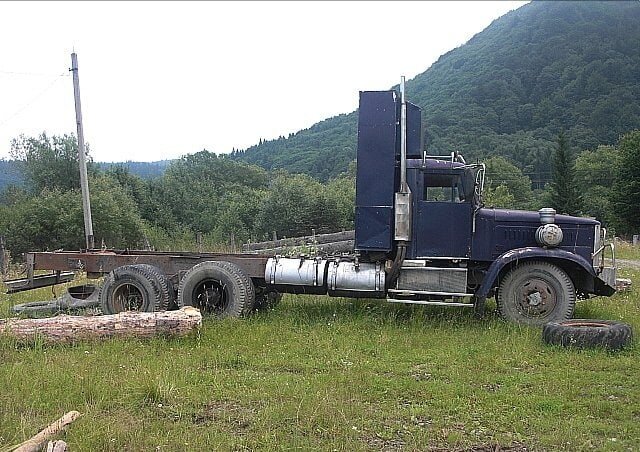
[[68, 328], [35, 444], [299, 241], [344, 246], [57, 446]]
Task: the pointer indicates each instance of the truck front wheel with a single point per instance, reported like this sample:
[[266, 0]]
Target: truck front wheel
[[536, 292]]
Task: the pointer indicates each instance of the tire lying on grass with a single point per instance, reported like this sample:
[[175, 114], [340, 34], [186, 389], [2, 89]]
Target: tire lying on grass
[[588, 333], [75, 300], [219, 288], [137, 287]]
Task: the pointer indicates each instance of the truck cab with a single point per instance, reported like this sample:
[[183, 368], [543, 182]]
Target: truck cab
[[459, 252]]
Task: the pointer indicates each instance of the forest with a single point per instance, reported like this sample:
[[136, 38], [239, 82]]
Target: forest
[[230, 202]]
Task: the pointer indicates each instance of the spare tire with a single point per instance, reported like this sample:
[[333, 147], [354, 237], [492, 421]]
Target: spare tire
[[137, 287], [219, 288], [588, 333]]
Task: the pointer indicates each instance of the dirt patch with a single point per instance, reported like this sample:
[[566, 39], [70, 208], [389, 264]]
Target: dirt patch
[[387, 445], [628, 263], [231, 414], [515, 447]]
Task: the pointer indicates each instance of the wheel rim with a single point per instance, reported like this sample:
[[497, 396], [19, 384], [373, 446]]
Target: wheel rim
[[536, 298], [128, 297], [210, 296]]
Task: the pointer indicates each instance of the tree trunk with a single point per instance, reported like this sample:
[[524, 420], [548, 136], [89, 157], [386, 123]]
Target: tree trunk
[[69, 328]]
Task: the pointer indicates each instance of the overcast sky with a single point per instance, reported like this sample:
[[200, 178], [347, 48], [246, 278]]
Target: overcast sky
[[162, 79]]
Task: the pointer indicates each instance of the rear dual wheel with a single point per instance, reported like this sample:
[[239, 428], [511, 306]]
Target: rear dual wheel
[[136, 287], [219, 288]]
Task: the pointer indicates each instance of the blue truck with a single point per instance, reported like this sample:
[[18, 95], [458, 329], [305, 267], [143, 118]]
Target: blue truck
[[422, 235]]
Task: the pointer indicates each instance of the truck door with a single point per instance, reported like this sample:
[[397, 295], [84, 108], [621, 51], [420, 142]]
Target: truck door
[[442, 216]]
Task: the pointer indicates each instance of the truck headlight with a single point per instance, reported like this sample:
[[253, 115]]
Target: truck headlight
[[549, 235]]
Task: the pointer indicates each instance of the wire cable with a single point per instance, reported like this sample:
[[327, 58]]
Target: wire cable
[[33, 100]]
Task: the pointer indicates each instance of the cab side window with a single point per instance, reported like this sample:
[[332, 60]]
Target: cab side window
[[443, 188]]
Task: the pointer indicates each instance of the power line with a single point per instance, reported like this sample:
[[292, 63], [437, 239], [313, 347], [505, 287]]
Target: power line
[[31, 74], [34, 99]]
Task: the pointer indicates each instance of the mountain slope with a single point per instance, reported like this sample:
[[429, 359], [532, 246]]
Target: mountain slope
[[542, 69]]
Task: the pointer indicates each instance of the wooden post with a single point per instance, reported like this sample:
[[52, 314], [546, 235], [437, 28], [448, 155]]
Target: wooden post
[[233, 242], [3, 258], [82, 158]]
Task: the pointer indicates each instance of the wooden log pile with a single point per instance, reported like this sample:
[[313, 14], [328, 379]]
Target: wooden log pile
[[336, 242], [65, 329]]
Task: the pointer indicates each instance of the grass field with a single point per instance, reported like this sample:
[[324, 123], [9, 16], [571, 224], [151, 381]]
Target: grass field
[[331, 374], [625, 250]]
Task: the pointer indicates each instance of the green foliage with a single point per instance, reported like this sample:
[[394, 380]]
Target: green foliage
[[506, 186], [322, 151], [626, 189], [295, 204], [594, 175], [195, 189], [565, 197], [53, 219], [499, 196], [10, 174], [48, 162]]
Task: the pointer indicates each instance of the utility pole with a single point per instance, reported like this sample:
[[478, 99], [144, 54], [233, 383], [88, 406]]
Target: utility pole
[[84, 183]]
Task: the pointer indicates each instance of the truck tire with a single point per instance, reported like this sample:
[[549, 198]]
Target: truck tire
[[219, 288], [75, 299], [588, 333], [536, 292], [137, 287]]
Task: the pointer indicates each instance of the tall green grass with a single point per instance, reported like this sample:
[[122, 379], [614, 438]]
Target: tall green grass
[[318, 373]]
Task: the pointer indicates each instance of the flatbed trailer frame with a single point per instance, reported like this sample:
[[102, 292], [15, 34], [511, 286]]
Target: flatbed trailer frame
[[97, 263]]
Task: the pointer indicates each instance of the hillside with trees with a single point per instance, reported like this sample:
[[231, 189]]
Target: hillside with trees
[[546, 68]]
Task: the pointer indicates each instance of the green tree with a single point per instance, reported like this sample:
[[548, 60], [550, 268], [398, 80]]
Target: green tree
[[506, 186], [196, 188], [595, 174], [295, 204], [49, 162], [626, 189], [565, 197], [499, 196], [53, 219]]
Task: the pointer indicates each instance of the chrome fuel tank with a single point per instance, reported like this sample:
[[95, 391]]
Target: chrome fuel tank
[[302, 275], [364, 280]]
